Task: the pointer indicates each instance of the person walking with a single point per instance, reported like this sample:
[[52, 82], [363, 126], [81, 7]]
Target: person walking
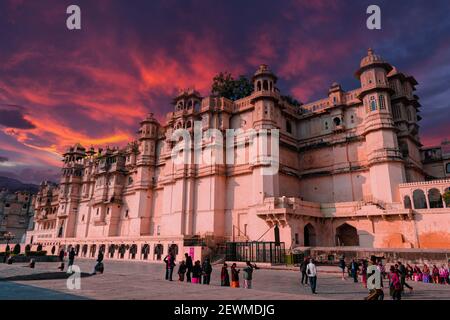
[[403, 273], [303, 266], [311, 271], [207, 270], [224, 276], [189, 267], [234, 276], [99, 265], [354, 267], [342, 266], [197, 272], [181, 271], [248, 274], [395, 285], [71, 260]]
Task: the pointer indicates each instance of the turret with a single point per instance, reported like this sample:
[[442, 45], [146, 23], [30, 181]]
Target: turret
[[265, 98]]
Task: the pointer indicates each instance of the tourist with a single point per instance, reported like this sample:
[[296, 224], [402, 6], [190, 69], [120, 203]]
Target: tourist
[[395, 286], [32, 263], [234, 276], [364, 272], [71, 260], [426, 274], [197, 272], [377, 292], [170, 264], [181, 271], [224, 276], [189, 267], [354, 267], [207, 270], [61, 259], [409, 272], [342, 266], [303, 266], [99, 265], [417, 274], [382, 269], [248, 274], [443, 274], [311, 271], [435, 274], [403, 273]]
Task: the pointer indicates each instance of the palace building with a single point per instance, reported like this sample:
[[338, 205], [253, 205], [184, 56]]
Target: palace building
[[352, 172]]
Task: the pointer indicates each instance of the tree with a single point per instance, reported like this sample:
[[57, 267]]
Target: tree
[[446, 197], [291, 100], [224, 85]]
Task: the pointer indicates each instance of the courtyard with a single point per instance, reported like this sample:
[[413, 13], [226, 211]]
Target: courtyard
[[143, 280]]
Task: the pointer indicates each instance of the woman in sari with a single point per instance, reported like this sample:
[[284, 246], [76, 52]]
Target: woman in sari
[[426, 274], [234, 276]]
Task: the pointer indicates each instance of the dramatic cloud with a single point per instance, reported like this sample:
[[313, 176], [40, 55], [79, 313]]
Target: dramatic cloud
[[93, 86]]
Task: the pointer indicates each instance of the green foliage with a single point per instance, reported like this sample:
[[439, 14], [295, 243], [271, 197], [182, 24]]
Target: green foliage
[[446, 197], [37, 253], [291, 100], [8, 249], [224, 85]]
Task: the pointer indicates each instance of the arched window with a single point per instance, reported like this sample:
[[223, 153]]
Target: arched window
[[408, 115], [145, 251], [447, 168], [382, 102], [337, 121], [133, 251], [288, 126], [265, 85], [111, 250], [309, 234], [347, 235], [407, 202], [173, 249], [93, 250], [435, 198], [158, 251], [373, 104], [419, 199], [258, 85]]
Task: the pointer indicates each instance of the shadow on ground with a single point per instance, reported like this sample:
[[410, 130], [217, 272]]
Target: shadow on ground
[[43, 276]]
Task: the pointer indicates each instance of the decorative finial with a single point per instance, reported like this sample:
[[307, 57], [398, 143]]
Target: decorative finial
[[370, 52]]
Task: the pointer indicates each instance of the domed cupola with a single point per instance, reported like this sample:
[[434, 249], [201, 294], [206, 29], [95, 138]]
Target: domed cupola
[[264, 79], [372, 60]]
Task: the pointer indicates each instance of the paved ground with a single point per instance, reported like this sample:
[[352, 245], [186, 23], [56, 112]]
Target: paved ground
[[140, 280]]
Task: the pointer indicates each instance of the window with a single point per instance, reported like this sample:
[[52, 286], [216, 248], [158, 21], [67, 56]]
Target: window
[[382, 102], [326, 125], [352, 119], [373, 104], [126, 213], [296, 238], [288, 126], [447, 168]]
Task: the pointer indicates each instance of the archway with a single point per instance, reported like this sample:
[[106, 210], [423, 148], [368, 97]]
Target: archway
[[84, 250], [419, 199], [122, 250], [93, 250], [133, 251], [447, 197], [158, 251], [347, 235], [407, 202], [435, 198], [309, 236], [112, 250], [173, 248], [145, 251]]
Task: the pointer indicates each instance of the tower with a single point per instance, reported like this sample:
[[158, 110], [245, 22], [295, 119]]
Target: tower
[[265, 98], [384, 158]]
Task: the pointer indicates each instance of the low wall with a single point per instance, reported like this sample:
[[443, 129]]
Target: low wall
[[332, 255], [24, 259]]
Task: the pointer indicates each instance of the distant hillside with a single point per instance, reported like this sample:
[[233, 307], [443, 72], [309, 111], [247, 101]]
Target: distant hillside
[[14, 185]]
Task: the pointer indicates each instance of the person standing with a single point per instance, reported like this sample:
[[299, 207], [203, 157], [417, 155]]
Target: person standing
[[170, 264], [248, 275], [303, 266], [61, 259], [207, 270], [99, 265], [234, 276], [197, 272], [189, 266], [181, 271], [311, 271], [224, 276], [71, 260], [354, 270], [342, 266]]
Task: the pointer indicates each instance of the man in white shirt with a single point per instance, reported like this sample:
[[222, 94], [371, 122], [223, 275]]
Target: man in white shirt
[[311, 271]]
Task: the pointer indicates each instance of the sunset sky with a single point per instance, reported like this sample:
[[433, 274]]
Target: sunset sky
[[93, 86]]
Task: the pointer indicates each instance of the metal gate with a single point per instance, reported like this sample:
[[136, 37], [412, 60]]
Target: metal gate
[[270, 252]]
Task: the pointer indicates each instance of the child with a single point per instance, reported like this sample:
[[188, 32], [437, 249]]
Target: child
[[181, 271]]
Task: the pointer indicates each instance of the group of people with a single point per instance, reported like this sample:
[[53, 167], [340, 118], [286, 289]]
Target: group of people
[[429, 275], [197, 272], [99, 267], [308, 271]]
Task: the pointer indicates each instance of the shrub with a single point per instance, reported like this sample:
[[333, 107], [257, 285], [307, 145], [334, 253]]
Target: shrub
[[8, 249], [446, 197], [37, 253], [16, 249]]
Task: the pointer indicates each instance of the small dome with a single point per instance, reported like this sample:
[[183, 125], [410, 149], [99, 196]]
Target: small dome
[[371, 58], [264, 70]]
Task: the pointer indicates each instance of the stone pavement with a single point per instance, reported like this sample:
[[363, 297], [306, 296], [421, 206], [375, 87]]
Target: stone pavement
[[143, 280]]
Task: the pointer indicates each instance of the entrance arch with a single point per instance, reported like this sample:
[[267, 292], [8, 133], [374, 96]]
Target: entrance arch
[[347, 235], [309, 233]]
